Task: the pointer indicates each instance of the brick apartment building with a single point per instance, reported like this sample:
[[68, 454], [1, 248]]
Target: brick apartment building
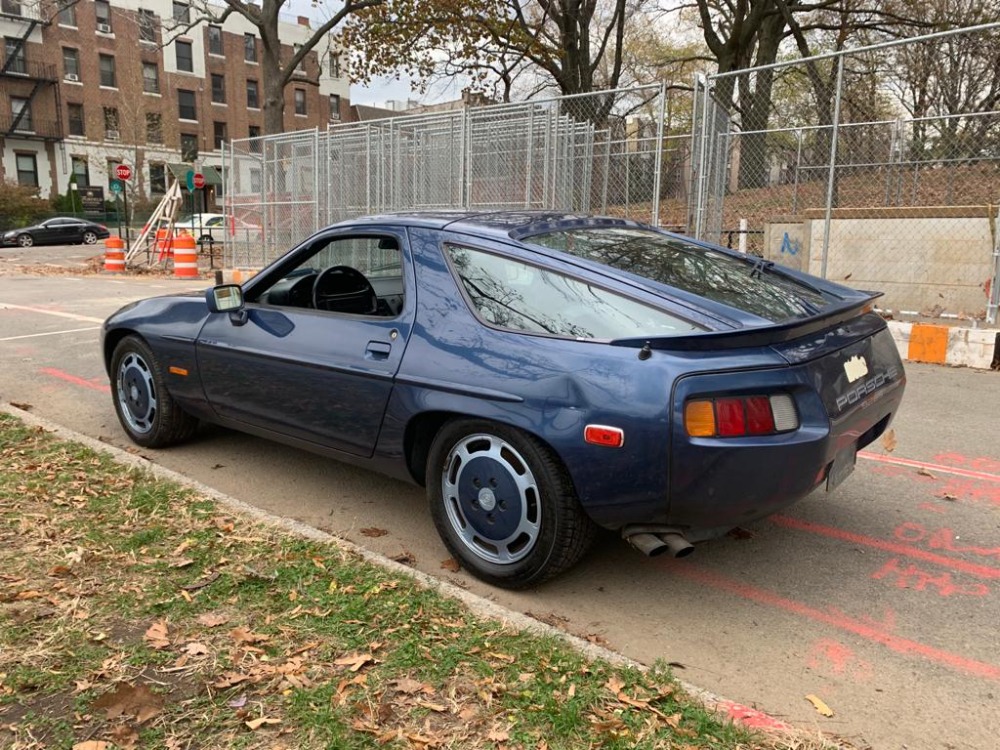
[[97, 83]]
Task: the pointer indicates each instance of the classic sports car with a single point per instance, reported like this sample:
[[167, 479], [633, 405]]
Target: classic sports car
[[542, 374]]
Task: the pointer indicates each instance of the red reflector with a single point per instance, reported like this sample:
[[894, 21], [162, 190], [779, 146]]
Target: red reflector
[[729, 416], [609, 437], [760, 421]]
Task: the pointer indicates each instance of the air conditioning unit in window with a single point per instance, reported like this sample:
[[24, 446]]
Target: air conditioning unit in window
[[104, 28], [112, 135], [72, 77]]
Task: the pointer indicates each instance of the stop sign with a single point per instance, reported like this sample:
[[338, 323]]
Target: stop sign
[[123, 171], [198, 180]]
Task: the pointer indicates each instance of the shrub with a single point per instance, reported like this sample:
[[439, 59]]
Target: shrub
[[20, 206]]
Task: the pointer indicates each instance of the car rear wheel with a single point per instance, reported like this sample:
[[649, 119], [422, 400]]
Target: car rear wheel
[[504, 505], [144, 406], [25, 240], [90, 238]]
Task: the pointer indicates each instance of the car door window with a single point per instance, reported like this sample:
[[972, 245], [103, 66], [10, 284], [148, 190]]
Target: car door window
[[344, 275], [518, 296]]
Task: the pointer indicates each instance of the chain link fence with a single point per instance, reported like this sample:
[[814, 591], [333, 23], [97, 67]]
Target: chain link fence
[[621, 153], [877, 167]]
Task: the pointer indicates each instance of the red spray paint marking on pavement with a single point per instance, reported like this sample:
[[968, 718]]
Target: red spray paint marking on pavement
[[896, 548], [981, 463], [751, 717], [940, 468], [833, 656], [952, 488], [837, 620], [53, 372]]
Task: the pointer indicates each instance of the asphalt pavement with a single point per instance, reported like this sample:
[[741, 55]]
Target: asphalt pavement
[[881, 598]]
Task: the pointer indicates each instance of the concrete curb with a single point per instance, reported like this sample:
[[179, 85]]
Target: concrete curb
[[947, 345], [749, 717]]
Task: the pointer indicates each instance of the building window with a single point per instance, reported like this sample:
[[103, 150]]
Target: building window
[[76, 124], [147, 25], [186, 108], [71, 64], [301, 67], [300, 101], [11, 7], [250, 48], [27, 170], [110, 170], [21, 108], [220, 134], [14, 51], [253, 131], [255, 183], [157, 179], [150, 78], [189, 147], [67, 13], [185, 58], [81, 172], [182, 12], [154, 127], [334, 65], [102, 8], [334, 106], [252, 101], [111, 124], [215, 40], [108, 71], [218, 88]]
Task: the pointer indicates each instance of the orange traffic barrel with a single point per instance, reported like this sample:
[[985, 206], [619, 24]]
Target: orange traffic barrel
[[185, 257], [114, 255]]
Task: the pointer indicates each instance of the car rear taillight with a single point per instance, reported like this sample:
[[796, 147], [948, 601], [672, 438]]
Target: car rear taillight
[[736, 416]]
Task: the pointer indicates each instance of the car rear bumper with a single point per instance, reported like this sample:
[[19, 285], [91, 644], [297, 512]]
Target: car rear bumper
[[719, 483]]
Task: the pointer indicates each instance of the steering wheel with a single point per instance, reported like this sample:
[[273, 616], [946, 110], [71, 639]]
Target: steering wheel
[[344, 289]]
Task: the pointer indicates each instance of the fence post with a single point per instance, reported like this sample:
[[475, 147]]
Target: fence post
[[658, 154], [798, 164], [702, 192], [833, 166], [994, 303]]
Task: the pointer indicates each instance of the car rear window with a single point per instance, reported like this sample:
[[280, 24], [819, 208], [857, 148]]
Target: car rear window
[[752, 287], [518, 296]]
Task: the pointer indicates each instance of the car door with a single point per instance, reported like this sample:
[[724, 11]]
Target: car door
[[70, 230], [319, 375], [48, 232]]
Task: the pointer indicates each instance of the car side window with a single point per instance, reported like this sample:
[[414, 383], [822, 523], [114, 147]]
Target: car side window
[[346, 275], [508, 293]]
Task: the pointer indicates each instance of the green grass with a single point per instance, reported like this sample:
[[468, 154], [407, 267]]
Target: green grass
[[112, 577]]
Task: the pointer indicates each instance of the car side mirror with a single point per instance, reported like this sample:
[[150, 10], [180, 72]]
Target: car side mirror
[[227, 298]]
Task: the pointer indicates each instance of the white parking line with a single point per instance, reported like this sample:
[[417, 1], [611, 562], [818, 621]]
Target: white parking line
[[50, 333], [41, 311]]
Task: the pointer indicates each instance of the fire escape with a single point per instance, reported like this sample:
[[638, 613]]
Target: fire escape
[[37, 77]]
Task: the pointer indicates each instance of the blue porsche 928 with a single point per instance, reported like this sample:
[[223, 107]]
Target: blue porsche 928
[[542, 375]]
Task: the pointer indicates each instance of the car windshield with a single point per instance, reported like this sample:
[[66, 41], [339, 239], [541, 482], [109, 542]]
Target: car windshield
[[743, 284]]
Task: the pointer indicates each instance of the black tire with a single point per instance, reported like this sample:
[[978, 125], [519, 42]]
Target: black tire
[[89, 238], [504, 504], [25, 240], [144, 407]]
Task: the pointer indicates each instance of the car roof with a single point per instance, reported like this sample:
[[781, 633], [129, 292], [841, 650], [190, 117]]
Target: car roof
[[512, 224]]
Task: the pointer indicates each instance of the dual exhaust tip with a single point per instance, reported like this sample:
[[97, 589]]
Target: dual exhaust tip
[[656, 544]]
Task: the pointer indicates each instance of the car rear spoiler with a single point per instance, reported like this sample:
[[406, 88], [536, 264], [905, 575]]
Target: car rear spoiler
[[776, 333]]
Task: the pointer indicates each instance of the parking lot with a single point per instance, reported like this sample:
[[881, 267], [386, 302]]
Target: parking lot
[[881, 598]]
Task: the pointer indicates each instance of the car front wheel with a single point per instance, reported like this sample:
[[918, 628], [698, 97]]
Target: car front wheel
[[25, 240], [89, 238], [504, 505], [144, 406]]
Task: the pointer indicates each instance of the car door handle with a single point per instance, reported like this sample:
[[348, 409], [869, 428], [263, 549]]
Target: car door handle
[[377, 350]]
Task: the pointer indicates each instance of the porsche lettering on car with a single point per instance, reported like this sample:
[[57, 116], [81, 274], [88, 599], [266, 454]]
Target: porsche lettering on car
[[542, 375]]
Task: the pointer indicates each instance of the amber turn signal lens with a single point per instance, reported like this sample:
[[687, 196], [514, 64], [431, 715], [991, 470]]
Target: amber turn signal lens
[[699, 418]]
